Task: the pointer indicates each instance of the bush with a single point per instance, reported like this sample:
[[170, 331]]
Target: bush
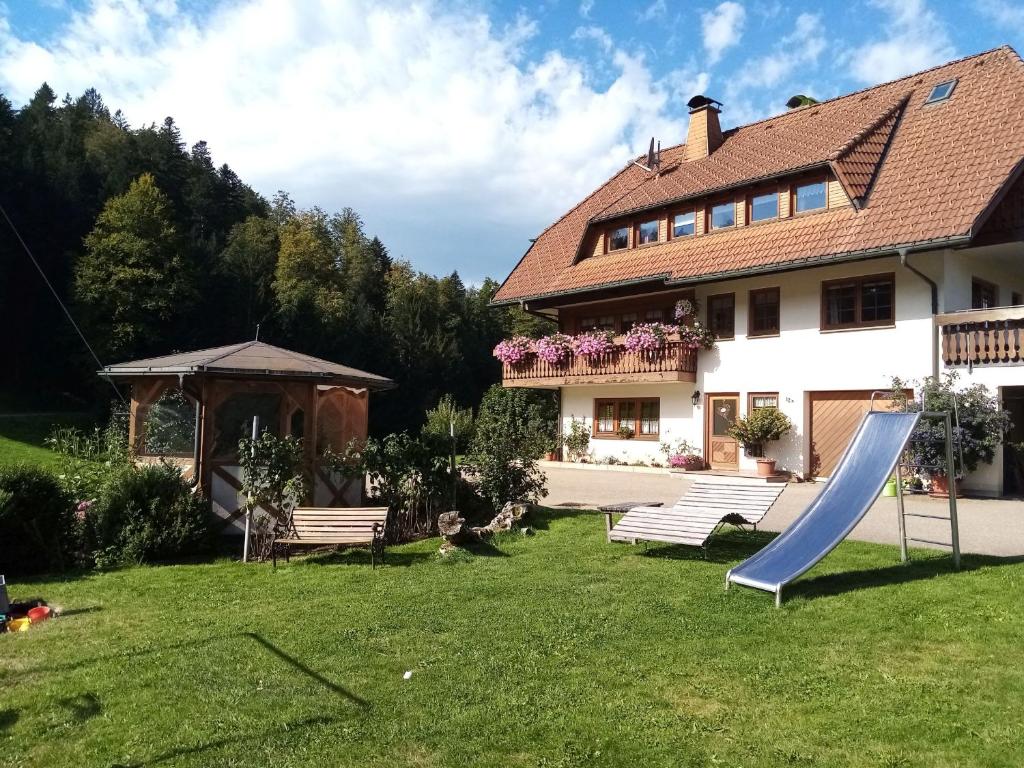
[[274, 474], [85, 460], [146, 514], [441, 419], [982, 426], [515, 427], [38, 531], [765, 425], [577, 442]]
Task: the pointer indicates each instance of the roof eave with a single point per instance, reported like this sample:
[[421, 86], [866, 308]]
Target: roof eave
[[378, 383]]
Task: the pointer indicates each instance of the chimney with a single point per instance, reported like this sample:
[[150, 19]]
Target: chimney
[[705, 134]]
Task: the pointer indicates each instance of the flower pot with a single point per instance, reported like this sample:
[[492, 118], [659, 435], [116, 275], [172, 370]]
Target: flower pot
[[765, 467], [551, 456], [939, 487], [890, 488]]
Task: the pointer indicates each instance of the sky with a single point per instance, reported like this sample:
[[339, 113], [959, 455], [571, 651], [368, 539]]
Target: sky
[[460, 130]]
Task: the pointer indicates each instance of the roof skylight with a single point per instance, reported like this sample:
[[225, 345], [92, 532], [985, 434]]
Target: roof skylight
[[941, 92]]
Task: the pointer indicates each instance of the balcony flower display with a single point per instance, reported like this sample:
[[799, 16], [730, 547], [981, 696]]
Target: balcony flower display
[[554, 349], [686, 309], [647, 336], [593, 343], [514, 351], [697, 336]]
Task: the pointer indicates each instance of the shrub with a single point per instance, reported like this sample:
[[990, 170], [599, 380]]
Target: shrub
[[442, 419], [764, 425], [515, 427], [978, 424], [85, 460], [146, 514], [577, 442], [274, 474], [38, 531]]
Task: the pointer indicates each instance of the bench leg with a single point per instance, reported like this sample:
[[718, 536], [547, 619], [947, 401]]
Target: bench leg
[[273, 553], [608, 526]]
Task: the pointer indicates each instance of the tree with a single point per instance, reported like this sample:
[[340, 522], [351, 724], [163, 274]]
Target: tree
[[132, 282], [247, 266], [515, 427], [307, 282]]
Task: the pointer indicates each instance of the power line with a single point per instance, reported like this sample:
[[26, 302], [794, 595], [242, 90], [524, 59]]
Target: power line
[[67, 312]]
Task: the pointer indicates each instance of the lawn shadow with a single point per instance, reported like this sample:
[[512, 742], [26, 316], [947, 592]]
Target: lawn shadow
[[82, 707], [307, 671], [732, 545], [8, 717], [917, 569], [359, 556], [542, 517]]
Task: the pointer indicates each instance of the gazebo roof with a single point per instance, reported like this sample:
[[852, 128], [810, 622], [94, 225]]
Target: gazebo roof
[[250, 359]]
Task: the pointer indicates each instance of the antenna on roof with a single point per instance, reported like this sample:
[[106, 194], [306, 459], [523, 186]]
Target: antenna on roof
[[653, 158]]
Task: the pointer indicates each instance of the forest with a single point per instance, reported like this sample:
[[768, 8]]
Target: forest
[[154, 248]]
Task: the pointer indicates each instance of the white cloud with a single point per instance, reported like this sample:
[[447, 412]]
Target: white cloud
[[598, 35], [429, 122], [1004, 13], [915, 39], [722, 28], [801, 48], [654, 11], [586, 6]]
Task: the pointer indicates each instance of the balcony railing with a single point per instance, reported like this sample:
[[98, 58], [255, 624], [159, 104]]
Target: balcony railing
[[982, 336], [674, 361]]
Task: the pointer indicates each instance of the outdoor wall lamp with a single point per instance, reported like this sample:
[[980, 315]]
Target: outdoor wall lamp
[[695, 398]]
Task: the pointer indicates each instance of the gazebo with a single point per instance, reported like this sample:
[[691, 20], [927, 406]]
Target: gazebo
[[192, 408]]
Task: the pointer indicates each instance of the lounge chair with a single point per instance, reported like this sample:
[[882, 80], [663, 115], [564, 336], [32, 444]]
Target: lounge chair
[[698, 515]]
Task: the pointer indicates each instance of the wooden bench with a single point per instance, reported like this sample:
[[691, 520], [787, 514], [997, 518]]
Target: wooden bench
[[332, 526]]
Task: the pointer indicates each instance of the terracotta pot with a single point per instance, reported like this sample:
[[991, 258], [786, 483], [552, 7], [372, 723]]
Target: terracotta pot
[[939, 487], [551, 456], [765, 467]]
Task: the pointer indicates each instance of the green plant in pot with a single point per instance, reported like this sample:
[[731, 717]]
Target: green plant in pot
[[626, 432], [753, 431]]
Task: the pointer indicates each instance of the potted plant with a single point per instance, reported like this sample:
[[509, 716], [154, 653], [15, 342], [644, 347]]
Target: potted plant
[[647, 337], [764, 425], [514, 351], [626, 432], [592, 344], [554, 349], [979, 427], [691, 462]]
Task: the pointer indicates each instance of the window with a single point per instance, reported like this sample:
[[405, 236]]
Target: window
[[941, 92], [628, 321], [764, 312], [647, 232], [764, 207], [654, 316], [606, 323], [1016, 299], [588, 323], [759, 400], [643, 416], [723, 215], [169, 425], [810, 197], [983, 294], [618, 239], [722, 315], [858, 302], [684, 224]]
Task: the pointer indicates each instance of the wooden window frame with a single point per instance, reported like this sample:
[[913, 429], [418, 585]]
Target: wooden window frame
[[709, 213], [707, 308], [858, 282], [616, 403], [749, 217], [750, 313], [608, 238], [806, 183], [636, 232], [671, 224], [752, 395], [987, 285]]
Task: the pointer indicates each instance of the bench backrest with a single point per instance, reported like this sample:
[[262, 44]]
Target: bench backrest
[[344, 523]]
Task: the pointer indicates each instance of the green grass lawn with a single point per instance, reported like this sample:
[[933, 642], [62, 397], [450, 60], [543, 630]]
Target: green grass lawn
[[22, 435], [552, 650]]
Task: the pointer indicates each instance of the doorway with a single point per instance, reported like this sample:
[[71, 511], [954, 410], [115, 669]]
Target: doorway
[[720, 414], [1013, 455]]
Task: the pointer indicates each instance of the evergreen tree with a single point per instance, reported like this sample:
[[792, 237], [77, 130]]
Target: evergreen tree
[[246, 270]]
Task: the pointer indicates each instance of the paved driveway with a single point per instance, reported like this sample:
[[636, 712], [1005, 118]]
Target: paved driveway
[[987, 526]]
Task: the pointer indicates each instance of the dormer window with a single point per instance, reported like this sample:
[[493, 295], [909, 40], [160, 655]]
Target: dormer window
[[723, 215], [647, 232], [684, 224], [810, 197], [941, 92], [618, 239], [764, 207]]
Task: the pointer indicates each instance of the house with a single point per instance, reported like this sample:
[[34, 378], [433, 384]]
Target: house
[[192, 409], [829, 248]]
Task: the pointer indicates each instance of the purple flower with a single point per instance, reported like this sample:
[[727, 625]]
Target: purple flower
[[593, 343], [647, 336], [513, 351], [554, 349]]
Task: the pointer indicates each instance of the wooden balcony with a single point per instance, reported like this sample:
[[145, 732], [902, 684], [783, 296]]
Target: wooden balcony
[[982, 336], [672, 362]]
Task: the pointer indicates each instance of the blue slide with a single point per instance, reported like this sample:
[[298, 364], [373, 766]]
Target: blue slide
[[865, 467]]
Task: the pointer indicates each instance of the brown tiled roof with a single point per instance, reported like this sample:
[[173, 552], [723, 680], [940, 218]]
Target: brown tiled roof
[[251, 358], [921, 174]]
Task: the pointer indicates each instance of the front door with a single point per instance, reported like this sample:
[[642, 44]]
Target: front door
[[1013, 454], [722, 412]]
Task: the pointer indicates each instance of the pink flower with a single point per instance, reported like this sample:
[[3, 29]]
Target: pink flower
[[553, 349], [83, 507], [593, 343], [647, 336], [513, 351]]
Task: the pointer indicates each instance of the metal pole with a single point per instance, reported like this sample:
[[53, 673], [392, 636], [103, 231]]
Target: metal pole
[[901, 512], [953, 524], [248, 512]]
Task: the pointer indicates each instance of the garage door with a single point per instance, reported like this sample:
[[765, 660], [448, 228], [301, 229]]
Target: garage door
[[834, 418]]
